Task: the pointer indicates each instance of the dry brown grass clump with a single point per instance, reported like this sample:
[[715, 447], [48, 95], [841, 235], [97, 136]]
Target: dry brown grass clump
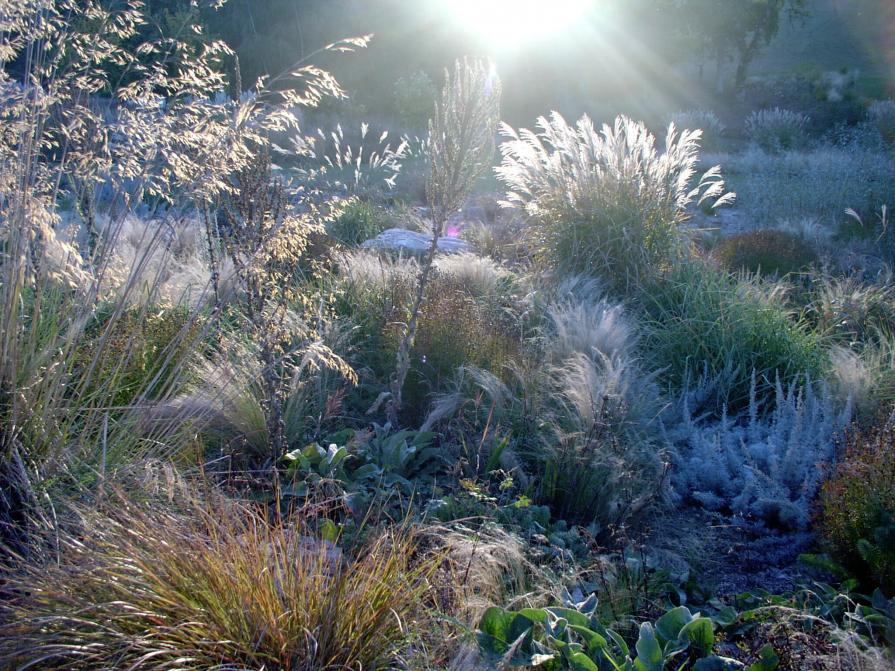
[[209, 585]]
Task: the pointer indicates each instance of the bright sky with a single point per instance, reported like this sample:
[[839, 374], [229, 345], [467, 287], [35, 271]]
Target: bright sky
[[510, 24]]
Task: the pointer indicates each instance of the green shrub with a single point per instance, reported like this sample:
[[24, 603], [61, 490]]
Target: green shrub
[[414, 100], [468, 317], [882, 115], [604, 202], [699, 316], [857, 507], [776, 130], [766, 251], [704, 120], [359, 221], [458, 329], [210, 585]]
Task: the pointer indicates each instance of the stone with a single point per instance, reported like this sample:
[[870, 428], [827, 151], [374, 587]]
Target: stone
[[415, 243]]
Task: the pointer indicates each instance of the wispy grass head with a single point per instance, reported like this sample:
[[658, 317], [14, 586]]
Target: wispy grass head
[[605, 201]]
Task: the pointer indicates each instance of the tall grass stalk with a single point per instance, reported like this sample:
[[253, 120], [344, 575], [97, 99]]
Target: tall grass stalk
[[460, 145], [161, 144]]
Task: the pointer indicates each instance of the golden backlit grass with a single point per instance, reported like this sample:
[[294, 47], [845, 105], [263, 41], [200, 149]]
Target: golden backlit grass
[[211, 585]]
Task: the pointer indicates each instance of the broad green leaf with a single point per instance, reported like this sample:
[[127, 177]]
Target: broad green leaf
[[424, 438], [366, 471], [700, 633], [573, 616], [534, 614], [334, 456], [769, 660], [313, 453], [716, 663], [578, 661], [725, 617], [588, 606], [675, 647], [494, 632], [592, 640], [649, 652], [668, 627], [618, 640]]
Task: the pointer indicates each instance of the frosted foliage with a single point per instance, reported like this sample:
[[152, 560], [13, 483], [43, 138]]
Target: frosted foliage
[[764, 468]]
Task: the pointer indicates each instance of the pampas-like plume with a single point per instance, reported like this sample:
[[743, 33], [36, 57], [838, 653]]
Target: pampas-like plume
[[604, 199]]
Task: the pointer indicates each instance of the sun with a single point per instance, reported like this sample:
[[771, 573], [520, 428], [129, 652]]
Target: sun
[[509, 23]]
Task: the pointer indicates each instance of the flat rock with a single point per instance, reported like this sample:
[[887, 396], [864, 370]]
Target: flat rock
[[413, 242]]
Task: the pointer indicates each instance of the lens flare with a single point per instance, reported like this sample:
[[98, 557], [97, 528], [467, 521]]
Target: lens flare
[[508, 23]]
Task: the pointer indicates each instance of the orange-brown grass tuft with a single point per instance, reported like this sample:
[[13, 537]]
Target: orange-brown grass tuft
[[212, 585]]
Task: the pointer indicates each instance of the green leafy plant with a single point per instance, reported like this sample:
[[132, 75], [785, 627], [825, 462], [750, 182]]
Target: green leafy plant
[[401, 458], [573, 638], [309, 468], [369, 462]]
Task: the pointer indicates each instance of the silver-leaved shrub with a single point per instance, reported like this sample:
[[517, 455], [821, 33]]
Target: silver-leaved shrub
[[766, 469]]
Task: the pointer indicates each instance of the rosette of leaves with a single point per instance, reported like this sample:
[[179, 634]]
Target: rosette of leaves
[[400, 459], [574, 638]]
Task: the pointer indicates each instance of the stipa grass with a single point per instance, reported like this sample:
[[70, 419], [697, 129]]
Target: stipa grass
[[210, 585]]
